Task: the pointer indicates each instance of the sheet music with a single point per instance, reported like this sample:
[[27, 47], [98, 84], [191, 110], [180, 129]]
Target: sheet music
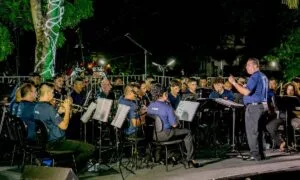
[[102, 109], [186, 110], [228, 103], [120, 115], [87, 115]]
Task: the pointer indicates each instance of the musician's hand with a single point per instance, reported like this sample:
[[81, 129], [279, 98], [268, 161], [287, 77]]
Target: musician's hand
[[231, 79], [52, 102], [67, 104], [61, 110]]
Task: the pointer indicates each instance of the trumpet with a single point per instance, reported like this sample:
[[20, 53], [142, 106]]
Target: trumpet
[[75, 107]]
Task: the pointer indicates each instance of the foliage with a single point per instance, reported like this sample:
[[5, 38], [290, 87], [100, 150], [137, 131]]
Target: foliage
[[288, 54], [16, 14], [6, 46], [292, 4]]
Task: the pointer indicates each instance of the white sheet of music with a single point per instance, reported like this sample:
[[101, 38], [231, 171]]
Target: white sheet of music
[[102, 109], [120, 115], [88, 113], [186, 110], [228, 103]]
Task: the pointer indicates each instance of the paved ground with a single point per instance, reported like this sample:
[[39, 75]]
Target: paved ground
[[231, 168]]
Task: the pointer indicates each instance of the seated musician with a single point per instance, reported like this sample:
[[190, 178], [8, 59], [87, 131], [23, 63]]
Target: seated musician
[[170, 131], [173, 95], [143, 96], [219, 91], [135, 116], [105, 90], [78, 97], [57, 126], [59, 90], [273, 124], [191, 93], [26, 108], [13, 106], [203, 82]]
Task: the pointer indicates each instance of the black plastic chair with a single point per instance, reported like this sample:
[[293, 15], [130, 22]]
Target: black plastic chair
[[157, 125], [42, 139]]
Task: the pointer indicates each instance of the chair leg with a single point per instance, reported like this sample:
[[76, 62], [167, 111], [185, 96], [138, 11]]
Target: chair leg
[[74, 162], [23, 160], [166, 147], [13, 155]]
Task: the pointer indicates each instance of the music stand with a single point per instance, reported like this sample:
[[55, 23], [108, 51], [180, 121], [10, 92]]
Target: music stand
[[286, 104], [101, 115], [86, 116], [233, 106], [186, 110], [118, 122]]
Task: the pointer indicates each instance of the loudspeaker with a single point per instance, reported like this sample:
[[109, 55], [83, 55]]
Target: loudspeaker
[[53, 173]]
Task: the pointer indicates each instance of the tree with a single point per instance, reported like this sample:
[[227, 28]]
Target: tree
[[48, 19], [288, 55], [292, 4]]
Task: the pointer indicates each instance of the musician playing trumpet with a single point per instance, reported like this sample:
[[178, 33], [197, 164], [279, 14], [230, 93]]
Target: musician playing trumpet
[[57, 126]]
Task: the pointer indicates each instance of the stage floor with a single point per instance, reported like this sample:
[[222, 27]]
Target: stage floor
[[277, 163]]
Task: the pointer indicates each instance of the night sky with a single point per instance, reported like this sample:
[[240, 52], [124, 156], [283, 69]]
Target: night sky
[[189, 31]]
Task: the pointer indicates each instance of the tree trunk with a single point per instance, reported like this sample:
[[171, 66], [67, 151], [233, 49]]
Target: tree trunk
[[47, 31]]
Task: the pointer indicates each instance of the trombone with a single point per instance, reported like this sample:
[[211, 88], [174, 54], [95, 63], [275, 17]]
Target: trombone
[[75, 107]]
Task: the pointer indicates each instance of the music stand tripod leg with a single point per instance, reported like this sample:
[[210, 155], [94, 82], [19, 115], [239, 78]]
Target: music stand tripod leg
[[119, 155]]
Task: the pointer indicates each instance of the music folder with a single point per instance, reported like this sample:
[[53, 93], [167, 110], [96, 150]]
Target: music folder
[[87, 115], [102, 109], [186, 110], [228, 103], [120, 115]]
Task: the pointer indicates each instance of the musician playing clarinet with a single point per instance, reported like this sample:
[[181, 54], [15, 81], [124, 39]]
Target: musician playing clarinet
[[255, 98]]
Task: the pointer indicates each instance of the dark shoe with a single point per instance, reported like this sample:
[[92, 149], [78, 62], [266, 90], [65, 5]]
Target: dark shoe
[[194, 164]]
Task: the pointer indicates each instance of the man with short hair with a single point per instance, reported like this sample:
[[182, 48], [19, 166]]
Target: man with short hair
[[26, 108], [255, 98], [56, 126]]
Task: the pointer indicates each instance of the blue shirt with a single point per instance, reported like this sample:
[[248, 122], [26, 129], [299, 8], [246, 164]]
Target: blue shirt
[[13, 108], [225, 95], [45, 112], [165, 113], [258, 86], [132, 114], [26, 114], [174, 101]]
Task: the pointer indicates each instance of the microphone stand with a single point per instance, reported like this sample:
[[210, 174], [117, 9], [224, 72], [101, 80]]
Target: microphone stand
[[145, 51]]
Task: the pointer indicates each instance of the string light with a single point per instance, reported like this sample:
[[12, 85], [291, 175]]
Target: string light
[[51, 32]]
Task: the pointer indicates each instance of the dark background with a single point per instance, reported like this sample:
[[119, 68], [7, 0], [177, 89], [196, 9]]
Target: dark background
[[189, 31]]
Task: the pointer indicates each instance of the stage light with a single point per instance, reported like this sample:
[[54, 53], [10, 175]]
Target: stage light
[[273, 64], [171, 62]]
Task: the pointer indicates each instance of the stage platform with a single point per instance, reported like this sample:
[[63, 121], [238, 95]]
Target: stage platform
[[278, 164]]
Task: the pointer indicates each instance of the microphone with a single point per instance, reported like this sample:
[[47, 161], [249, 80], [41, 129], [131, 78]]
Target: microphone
[[127, 34]]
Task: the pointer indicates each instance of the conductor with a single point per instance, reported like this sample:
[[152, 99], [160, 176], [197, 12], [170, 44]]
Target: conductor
[[255, 99]]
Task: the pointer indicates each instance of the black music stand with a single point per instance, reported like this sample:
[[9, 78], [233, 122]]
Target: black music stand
[[286, 104], [101, 115], [232, 105], [118, 122]]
